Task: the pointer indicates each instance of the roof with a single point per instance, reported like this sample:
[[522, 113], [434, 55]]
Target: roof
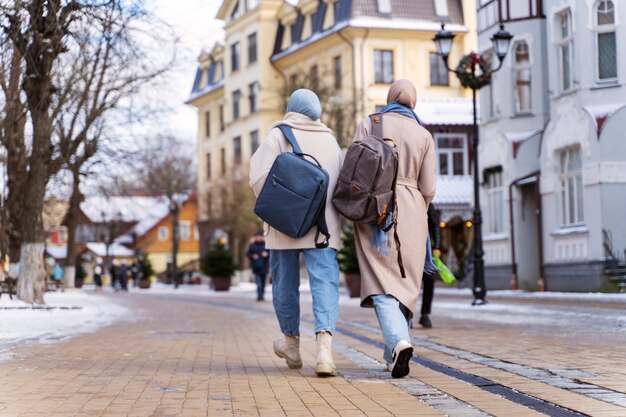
[[57, 252], [115, 250], [405, 15], [454, 190], [447, 111], [143, 210]]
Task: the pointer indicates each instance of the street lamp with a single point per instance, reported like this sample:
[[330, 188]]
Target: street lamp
[[475, 72]]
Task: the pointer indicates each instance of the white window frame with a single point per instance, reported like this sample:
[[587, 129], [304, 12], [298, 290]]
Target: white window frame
[[602, 29], [450, 152], [184, 229], [495, 201], [562, 42], [163, 233], [517, 68], [571, 216]]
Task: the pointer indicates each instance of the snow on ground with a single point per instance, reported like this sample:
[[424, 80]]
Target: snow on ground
[[594, 297], [67, 314]]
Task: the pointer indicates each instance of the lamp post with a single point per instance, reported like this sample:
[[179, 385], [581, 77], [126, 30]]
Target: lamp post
[[468, 73]]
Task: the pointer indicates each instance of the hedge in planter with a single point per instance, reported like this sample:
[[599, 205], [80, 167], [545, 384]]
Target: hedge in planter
[[145, 271], [219, 264], [349, 263]]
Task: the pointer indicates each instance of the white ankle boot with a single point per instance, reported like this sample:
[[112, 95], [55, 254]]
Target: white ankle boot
[[325, 365], [288, 348]]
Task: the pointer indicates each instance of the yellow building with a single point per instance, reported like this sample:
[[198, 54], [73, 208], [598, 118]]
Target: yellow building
[[156, 242], [349, 52]]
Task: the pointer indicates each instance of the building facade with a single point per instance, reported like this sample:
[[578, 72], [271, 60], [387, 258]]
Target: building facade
[[552, 154], [349, 52]]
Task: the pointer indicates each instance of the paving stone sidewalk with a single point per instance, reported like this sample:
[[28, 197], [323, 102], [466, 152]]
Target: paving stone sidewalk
[[212, 356]]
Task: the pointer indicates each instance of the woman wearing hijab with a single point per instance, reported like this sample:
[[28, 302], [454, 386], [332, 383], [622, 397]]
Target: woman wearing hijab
[[303, 116], [382, 287]]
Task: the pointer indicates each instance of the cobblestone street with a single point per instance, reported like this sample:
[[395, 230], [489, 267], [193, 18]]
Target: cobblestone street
[[211, 354]]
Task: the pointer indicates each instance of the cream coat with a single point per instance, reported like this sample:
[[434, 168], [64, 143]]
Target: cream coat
[[415, 190], [317, 140]]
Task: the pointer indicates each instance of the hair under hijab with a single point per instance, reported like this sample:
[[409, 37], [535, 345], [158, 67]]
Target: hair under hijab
[[305, 102]]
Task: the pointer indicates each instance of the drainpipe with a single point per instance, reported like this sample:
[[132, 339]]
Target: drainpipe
[[514, 283], [541, 282], [514, 278], [354, 94]]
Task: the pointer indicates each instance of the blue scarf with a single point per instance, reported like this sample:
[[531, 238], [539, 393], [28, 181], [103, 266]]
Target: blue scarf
[[379, 238], [397, 107]]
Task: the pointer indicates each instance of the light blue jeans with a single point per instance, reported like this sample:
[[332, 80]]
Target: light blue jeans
[[393, 318], [323, 270]]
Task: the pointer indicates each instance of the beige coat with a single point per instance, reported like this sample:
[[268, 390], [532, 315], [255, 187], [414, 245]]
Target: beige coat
[[415, 190], [317, 140]]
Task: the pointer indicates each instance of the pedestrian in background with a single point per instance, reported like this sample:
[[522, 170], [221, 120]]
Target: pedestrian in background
[[57, 273], [98, 270], [428, 278], [124, 274], [259, 262], [382, 287], [115, 275], [315, 139]]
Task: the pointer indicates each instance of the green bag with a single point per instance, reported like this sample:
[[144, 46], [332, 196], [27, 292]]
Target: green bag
[[446, 275]]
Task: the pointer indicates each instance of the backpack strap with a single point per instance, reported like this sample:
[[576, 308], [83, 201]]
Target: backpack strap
[[288, 134], [377, 124], [322, 226]]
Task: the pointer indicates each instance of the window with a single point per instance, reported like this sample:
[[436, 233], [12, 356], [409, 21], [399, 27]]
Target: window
[[237, 12], [208, 165], [254, 141], [207, 124], [252, 55], [383, 66], [221, 118], [223, 161], [571, 186], [566, 50], [163, 233], [196, 233], [254, 97], [606, 41], [438, 70], [237, 148], [235, 52], [495, 200], [451, 154], [522, 77], [337, 71], [336, 6], [184, 230], [236, 100]]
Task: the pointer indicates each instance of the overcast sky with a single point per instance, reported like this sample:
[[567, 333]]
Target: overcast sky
[[195, 24]]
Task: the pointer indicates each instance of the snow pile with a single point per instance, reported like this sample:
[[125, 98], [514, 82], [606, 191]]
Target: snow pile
[[66, 314]]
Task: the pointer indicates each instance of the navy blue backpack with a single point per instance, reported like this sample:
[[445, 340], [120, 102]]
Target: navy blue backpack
[[293, 198]]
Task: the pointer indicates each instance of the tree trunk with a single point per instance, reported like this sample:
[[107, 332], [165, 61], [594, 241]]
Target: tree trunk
[[31, 282], [72, 222], [32, 271], [175, 239]]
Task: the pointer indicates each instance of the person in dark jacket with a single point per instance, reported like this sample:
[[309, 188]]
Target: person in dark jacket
[[259, 261], [428, 280]]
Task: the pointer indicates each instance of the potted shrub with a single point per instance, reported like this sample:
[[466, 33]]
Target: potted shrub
[[145, 271], [348, 262], [218, 263], [80, 274]]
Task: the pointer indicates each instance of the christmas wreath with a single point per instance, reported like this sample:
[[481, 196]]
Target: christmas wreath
[[479, 78]]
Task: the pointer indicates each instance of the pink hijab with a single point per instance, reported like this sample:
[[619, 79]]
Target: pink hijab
[[402, 91]]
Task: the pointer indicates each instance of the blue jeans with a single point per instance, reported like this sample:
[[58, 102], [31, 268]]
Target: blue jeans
[[323, 270], [393, 318], [260, 285]]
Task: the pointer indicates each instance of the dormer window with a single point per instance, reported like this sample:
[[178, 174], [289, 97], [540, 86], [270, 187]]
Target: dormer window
[[384, 6], [441, 9], [237, 12]]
